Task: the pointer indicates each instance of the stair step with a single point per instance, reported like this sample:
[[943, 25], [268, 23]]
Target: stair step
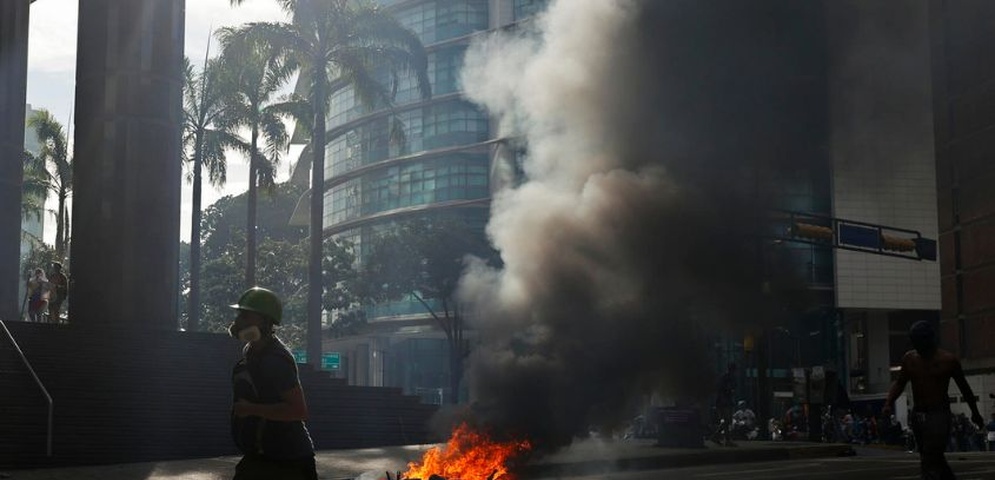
[[128, 396]]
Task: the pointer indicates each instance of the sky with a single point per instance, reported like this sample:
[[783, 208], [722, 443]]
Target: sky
[[52, 67]]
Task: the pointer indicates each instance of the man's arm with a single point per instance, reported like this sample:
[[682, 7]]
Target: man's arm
[[897, 387], [967, 393], [292, 407]]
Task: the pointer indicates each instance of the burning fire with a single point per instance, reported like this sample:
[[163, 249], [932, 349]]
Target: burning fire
[[468, 455]]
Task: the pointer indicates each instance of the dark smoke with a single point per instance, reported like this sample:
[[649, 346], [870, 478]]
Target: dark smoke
[[631, 241]]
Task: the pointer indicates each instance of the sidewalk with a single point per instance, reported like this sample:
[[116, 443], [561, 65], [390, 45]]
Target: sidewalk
[[585, 457]]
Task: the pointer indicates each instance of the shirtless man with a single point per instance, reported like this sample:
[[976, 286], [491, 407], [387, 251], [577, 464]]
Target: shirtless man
[[930, 369]]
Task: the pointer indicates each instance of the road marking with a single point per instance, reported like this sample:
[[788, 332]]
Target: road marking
[[761, 470], [973, 472], [833, 472]]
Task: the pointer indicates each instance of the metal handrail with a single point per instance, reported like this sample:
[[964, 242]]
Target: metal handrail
[[44, 390]]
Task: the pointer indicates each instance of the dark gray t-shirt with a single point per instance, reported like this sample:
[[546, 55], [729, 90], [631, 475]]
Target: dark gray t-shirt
[[260, 377]]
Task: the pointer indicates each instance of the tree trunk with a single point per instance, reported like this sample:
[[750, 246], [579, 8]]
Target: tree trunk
[[315, 281], [193, 301], [455, 369], [453, 326], [250, 224], [68, 228], [60, 225]]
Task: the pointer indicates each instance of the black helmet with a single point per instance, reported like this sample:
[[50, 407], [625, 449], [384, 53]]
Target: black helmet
[[923, 337], [261, 301]]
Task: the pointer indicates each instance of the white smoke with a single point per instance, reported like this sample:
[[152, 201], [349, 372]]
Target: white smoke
[[553, 89], [611, 277], [569, 269]]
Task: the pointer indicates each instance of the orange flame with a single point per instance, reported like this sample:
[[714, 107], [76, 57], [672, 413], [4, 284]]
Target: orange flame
[[468, 455]]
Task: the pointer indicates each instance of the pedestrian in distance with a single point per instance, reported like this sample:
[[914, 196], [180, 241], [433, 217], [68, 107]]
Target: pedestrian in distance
[[724, 404], [269, 408], [990, 434], [59, 292], [929, 369], [37, 296]]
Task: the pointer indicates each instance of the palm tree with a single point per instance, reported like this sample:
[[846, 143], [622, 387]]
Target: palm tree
[[259, 72], [53, 167], [207, 133], [33, 190], [351, 43]]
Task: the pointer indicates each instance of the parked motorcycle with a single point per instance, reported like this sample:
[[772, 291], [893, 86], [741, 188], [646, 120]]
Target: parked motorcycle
[[744, 424]]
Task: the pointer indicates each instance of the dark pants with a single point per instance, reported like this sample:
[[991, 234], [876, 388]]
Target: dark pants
[[723, 429], [932, 431], [257, 467]]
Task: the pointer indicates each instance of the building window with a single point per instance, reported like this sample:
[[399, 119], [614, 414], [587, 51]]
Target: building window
[[450, 177], [448, 124], [444, 19], [527, 8]]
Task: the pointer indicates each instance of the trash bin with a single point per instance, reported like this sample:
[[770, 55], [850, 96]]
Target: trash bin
[[680, 428]]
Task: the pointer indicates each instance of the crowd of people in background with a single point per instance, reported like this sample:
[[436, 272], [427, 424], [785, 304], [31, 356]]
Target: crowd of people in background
[[45, 294], [869, 428]]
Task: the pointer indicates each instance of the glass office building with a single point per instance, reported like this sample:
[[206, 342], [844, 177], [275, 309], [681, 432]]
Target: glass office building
[[441, 169]]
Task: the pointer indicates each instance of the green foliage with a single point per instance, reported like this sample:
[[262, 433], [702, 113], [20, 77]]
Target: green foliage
[[423, 257], [281, 266], [40, 256], [50, 171], [347, 41], [34, 190], [207, 132], [257, 73]]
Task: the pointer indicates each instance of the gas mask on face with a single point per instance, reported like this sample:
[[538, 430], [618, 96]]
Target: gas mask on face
[[246, 334]]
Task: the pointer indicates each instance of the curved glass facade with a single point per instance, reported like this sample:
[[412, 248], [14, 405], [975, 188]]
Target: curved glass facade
[[527, 8], [439, 20], [409, 184], [443, 162], [441, 169], [446, 124], [444, 65]]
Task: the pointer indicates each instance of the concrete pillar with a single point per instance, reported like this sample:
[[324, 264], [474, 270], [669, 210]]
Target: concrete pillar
[[878, 349], [126, 204], [362, 365], [502, 12], [13, 88]]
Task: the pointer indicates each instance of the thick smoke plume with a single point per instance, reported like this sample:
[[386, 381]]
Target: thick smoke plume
[[628, 242]]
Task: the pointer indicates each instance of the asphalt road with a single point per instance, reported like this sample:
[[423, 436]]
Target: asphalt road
[[866, 465]]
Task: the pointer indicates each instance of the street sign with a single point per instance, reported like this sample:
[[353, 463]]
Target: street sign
[[926, 248], [331, 361], [859, 236], [300, 356]]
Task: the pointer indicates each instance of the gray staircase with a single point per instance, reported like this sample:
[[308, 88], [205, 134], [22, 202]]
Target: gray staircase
[[138, 395]]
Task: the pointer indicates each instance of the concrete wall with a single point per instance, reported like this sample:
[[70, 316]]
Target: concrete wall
[[13, 89], [963, 68], [123, 395], [878, 363]]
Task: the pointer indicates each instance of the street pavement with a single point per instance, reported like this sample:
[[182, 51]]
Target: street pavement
[[599, 458], [866, 465]]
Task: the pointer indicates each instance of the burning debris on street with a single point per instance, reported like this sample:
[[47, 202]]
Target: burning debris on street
[[624, 247], [627, 243], [468, 455]]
